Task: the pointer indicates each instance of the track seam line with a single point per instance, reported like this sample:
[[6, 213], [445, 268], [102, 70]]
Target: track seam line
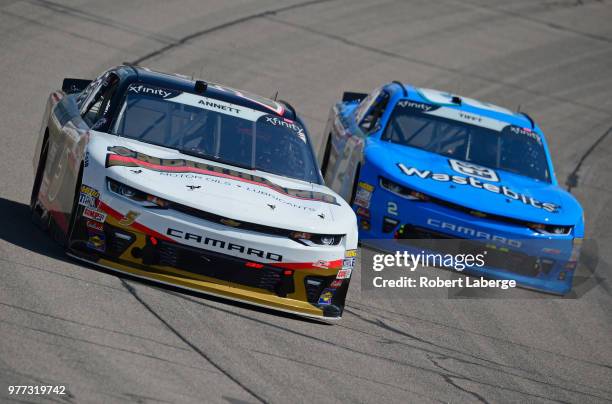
[[59, 8], [447, 69], [189, 343], [224, 25], [371, 355], [572, 179], [543, 22]]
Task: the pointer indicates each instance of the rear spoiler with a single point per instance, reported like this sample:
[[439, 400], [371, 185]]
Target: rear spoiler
[[70, 86], [348, 96]]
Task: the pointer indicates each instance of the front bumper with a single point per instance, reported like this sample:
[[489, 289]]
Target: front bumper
[[136, 241], [514, 252]]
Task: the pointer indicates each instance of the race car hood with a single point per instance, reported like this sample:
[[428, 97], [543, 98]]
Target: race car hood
[[239, 194], [490, 191]]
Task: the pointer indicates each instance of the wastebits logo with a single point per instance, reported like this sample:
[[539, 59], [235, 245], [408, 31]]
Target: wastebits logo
[[474, 170], [471, 232], [476, 183]]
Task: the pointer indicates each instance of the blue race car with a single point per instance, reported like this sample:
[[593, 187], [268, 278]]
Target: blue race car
[[416, 163]]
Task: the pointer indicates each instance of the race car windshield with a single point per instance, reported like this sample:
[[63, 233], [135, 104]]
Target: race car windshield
[[218, 131], [511, 148]]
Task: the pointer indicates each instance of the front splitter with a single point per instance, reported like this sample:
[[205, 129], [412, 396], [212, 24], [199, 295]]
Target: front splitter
[[216, 290]]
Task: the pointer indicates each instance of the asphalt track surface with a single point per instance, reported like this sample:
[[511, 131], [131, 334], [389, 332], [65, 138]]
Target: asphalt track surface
[[114, 339]]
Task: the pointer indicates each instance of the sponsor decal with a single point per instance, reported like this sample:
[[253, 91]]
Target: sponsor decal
[[230, 222], [321, 264], [124, 157], [344, 274], [97, 241], [366, 186], [476, 183], [336, 283], [472, 233], [230, 248], [477, 213], [245, 187], [350, 253], [363, 212], [326, 296], [154, 91], [348, 263], [415, 105], [129, 218], [287, 123], [94, 215], [88, 201], [92, 224], [87, 190], [474, 170], [363, 195], [526, 132]]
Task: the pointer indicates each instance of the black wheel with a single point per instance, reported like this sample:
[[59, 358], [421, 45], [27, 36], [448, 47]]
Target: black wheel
[[75, 207], [326, 156], [35, 209], [355, 183]]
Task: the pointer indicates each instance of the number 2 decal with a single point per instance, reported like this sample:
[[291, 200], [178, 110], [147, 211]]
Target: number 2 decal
[[392, 208]]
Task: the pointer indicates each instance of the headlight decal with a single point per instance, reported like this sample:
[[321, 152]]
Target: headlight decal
[[135, 195]]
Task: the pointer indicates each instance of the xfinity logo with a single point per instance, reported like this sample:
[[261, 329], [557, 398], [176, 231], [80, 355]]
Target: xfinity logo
[[282, 122], [140, 89], [472, 233], [416, 105], [526, 132], [476, 183], [224, 245]]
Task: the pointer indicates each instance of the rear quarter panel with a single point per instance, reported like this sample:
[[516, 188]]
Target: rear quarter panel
[[346, 151]]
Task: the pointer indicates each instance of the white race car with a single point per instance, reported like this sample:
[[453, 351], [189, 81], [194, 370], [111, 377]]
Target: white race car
[[195, 185]]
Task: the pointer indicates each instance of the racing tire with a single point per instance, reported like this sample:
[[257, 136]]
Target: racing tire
[[355, 183], [326, 154], [36, 212], [75, 207]]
